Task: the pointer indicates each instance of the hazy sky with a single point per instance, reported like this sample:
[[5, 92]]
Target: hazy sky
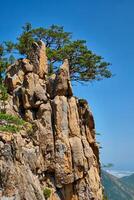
[[108, 27]]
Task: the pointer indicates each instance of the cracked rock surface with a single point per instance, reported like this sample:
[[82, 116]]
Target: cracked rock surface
[[60, 152]]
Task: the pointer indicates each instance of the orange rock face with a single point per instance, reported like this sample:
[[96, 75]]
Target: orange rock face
[[59, 155]]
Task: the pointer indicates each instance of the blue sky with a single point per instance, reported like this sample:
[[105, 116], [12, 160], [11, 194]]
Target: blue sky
[[108, 27]]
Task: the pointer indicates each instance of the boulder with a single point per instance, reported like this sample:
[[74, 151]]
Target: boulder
[[27, 66], [14, 76], [40, 93]]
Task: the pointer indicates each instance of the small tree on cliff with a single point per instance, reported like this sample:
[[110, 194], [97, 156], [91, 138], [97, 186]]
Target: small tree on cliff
[[84, 64], [6, 57], [2, 62]]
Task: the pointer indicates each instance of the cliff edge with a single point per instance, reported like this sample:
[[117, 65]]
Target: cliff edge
[[58, 159]]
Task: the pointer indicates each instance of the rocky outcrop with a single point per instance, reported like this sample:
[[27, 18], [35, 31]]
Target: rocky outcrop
[[59, 158]]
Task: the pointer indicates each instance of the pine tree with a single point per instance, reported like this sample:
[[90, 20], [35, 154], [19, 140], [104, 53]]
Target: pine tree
[[85, 66]]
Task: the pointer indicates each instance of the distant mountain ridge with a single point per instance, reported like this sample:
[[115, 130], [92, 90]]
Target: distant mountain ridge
[[118, 188], [120, 173], [128, 181]]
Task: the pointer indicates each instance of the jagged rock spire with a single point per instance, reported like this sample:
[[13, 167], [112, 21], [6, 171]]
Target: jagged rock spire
[[59, 151], [38, 58], [37, 63], [62, 82], [65, 67]]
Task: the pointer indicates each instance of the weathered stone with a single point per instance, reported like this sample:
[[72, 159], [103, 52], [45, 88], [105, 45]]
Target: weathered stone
[[93, 179], [40, 93], [46, 137], [60, 107], [43, 66], [39, 59], [27, 66], [8, 106], [14, 76], [63, 168], [50, 85], [62, 81], [86, 120], [88, 153], [77, 156], [58, 150], [7, 137], [29, 115], [74, 122], [30, 82]]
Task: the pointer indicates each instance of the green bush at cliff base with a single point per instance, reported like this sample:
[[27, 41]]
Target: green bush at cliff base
[[47, 192]]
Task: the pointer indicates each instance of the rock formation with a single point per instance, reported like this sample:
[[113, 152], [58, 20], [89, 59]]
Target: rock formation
[[59, 158]]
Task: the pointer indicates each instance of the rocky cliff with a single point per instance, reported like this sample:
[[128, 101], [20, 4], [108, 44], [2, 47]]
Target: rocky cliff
[[58, 159]]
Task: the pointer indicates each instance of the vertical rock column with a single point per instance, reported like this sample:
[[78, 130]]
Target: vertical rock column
[[76, 152], [61, 153]]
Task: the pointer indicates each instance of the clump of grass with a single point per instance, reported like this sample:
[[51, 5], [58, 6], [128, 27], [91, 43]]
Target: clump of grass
[[47, 192], [11, 119], [9, 128], [10, 123]]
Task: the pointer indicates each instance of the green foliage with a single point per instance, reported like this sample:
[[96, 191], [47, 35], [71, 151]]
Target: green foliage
[[10, 128], [11, 59], [3, 97], [12, 119], [82, 102], [85, 66], [98, 133], [9, 46], [27, 27], [108, 166], [47, 192], [10, 123], [1, 50], [54, 37], [6, 57], [3, 93], [2, 63], [3, 66], [24, 46], [105, 197]]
